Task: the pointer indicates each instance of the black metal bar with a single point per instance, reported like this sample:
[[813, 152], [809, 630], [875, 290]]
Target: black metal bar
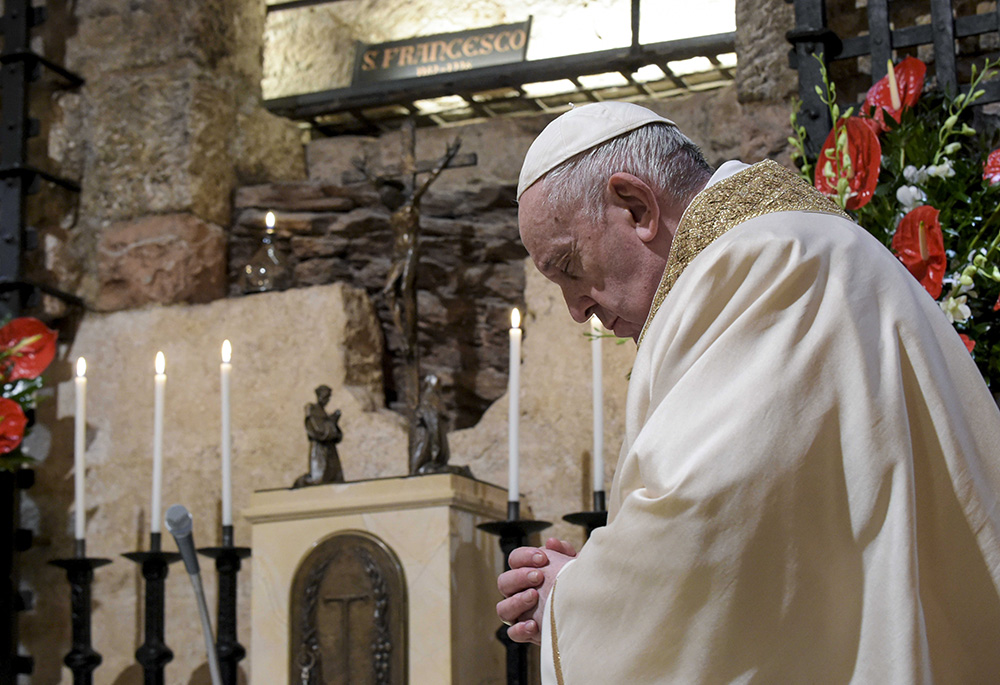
[[812, 39], [10, 600], [513, 533], [27, 174], [635, 27], [227, 563], [153, 654], [507, 75], [14, 78], [82, 659], [880, 37], [674, 78], [943, 21], [31, 58], [910, 36], [297, 4]]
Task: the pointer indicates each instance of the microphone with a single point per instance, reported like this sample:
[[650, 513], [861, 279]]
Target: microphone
[[178, 520]]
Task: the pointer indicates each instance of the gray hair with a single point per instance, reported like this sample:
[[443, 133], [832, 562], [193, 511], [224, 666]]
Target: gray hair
[[658, 154]]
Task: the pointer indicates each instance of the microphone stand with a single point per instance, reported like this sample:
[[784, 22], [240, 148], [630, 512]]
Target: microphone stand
[[179, 522], [228, 560]]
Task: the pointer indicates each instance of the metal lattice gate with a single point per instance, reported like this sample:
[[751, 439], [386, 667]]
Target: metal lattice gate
[[813, 36]]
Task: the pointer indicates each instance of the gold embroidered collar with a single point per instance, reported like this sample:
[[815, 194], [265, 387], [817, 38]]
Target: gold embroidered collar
[[764, 188]]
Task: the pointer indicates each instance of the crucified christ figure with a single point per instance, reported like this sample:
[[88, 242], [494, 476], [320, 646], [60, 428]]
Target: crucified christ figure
[[402, 198]]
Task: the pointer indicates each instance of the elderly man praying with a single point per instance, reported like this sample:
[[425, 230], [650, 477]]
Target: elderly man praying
[[808, 485]]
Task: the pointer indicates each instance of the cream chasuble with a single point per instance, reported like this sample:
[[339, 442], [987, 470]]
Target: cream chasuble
[[808, 487]]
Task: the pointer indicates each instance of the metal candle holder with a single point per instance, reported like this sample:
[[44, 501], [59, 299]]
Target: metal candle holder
[[227, 563], [154, 654], [82, 659], [590, 520], [513, 533]]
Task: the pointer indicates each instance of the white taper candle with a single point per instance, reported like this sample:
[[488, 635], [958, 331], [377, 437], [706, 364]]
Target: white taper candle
[[514, 406], [159, 385], [595, 350], [225, 371], [79, 449]]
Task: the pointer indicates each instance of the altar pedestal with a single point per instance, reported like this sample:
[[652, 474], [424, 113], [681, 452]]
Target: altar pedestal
[[428, 523]]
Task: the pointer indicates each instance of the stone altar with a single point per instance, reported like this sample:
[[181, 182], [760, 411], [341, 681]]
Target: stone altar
[[428, 523]]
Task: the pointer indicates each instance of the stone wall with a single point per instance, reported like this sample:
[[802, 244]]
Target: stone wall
[[165, 127]]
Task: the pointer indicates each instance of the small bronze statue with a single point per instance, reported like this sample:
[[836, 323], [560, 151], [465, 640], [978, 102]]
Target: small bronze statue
[[324, 434], [429, 435]]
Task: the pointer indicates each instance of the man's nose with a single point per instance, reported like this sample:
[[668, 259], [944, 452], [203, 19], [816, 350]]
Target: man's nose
[[578, 306]]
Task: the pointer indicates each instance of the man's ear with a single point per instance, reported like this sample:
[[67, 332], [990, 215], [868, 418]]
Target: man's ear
[[632, 194]]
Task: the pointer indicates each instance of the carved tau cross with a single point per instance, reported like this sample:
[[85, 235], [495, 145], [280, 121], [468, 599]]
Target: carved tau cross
[[345, 624], [402, 198]]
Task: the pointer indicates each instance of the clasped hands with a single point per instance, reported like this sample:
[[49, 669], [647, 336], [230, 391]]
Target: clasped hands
[[526, 587]]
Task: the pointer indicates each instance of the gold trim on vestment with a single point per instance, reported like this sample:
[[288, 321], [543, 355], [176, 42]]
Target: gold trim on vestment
[[556, 662], [764, 188]]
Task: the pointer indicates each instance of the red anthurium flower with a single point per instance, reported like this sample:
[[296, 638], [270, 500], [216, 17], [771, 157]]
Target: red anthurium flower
[[909, 84], [996, 307], [969, 342], [12, 423], [919, 245], [991, 170], [862, 174], [27, 347]]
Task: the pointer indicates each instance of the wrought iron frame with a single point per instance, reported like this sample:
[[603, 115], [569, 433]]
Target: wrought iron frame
[[499, 91], [19, 66], [812, 37]]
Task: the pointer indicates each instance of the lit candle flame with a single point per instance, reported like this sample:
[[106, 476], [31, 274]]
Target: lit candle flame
[[161, 363], [269, 220], [81, 367], [227, 351], [515, 318]]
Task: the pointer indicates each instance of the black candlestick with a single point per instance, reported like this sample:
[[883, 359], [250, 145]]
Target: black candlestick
[[82, 659], [154, 654], [513, 533], [227, 563], [590, 520]]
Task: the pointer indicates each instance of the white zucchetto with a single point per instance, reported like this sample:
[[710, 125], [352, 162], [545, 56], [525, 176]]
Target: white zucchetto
[[578, 130]]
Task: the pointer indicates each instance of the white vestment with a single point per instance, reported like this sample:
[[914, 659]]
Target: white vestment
[[808, 487]]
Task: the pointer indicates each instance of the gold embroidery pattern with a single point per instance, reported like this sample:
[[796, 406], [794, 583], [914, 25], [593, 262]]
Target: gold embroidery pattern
[[764, 188], [556, 661]]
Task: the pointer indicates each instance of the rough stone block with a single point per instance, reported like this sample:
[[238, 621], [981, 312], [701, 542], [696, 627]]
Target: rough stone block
[[160, 259], [762, 73], [127, 34], [161, 145], [267, 147]]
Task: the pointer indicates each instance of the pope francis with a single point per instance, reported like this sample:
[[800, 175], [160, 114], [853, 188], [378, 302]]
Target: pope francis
[[809, 486]]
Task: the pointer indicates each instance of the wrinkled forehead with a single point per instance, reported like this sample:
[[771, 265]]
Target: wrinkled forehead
[[545, 228]]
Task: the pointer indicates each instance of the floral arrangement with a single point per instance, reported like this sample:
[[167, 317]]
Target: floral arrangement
[[27, 347], [912, 170]]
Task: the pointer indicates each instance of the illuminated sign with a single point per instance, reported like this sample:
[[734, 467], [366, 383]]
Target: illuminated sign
[[441, 54]]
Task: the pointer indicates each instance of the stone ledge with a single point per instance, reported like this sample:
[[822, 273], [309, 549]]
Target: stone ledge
[[383, 494]]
